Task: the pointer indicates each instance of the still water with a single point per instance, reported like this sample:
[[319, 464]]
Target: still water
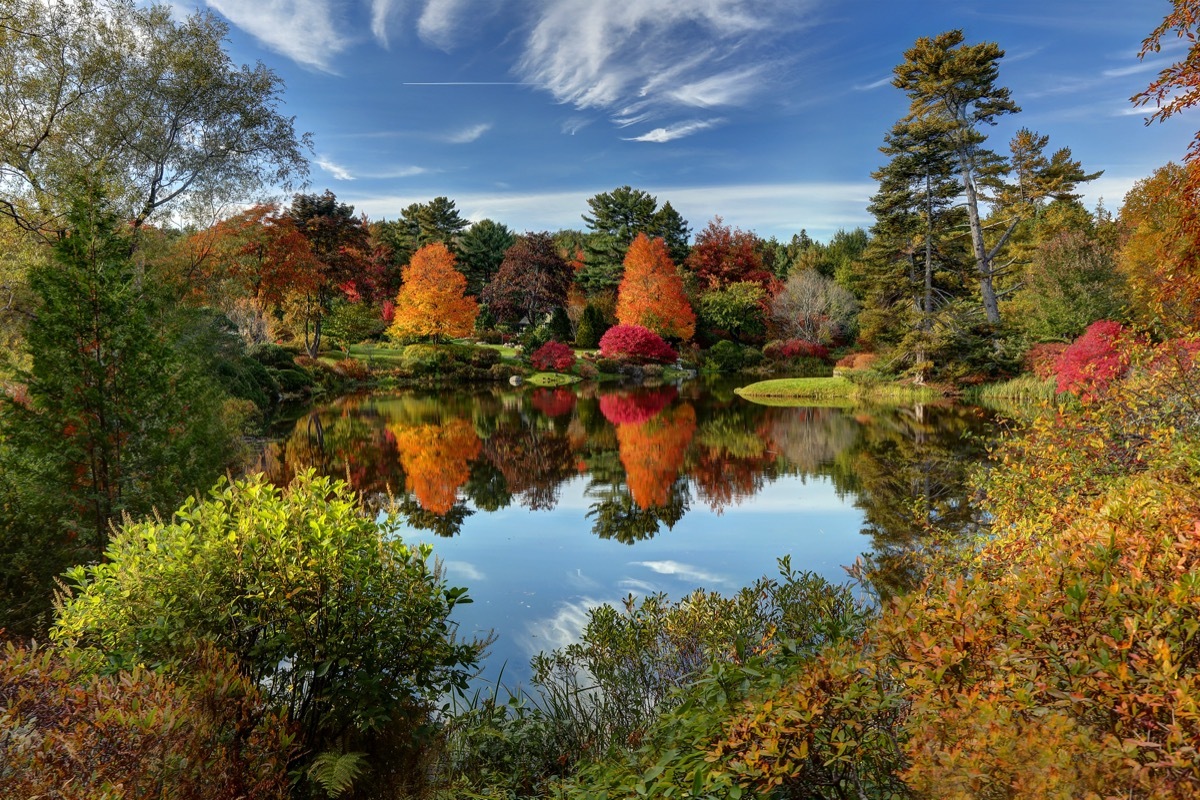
[[548, 502]]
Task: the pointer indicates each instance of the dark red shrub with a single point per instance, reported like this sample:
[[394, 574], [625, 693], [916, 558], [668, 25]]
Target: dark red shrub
[[790, 349], [553, 357], [1042, 359], [1094, 360], [637, 344], [634, 408]]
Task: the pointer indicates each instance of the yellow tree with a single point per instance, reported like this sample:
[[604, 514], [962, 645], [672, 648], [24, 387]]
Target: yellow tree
[[433, 300], [651, 293]]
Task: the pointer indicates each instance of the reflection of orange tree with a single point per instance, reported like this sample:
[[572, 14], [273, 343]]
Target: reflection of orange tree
[[653, 453], [437, 460]]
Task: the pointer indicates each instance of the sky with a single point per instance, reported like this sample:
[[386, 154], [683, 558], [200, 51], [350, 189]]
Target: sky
[[768, 113]]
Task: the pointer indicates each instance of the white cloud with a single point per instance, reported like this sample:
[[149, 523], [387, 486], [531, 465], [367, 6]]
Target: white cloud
[[727, 89], [768, 209], [439, 21], [664, 53], [303, 30], [676, 131], [336, 170], [687, 572], [382, 14], [573, 125], [465, 570], [400, 172], [866, 87], [468, 134]]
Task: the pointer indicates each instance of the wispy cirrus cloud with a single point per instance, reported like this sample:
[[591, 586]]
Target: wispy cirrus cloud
[[468, 134], [383, 13], [640, 58], [440, 22], [305, 31], [336, 170], [676, 131]]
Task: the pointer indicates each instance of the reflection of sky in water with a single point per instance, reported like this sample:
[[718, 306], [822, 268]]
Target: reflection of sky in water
[[534, 574]]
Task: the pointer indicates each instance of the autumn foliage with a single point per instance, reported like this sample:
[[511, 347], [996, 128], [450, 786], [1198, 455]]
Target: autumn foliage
[[723, 255], [1094, 360], [638, 406], [65, 733], [653, 453], [637, 344], [553, 357], [433, 300], [651, 294], [437, 460]]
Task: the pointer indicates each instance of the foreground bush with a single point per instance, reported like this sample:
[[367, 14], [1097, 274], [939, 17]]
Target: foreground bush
[[641, 685], [1061, 660], [637, 344], [137, 734], [345, 628]]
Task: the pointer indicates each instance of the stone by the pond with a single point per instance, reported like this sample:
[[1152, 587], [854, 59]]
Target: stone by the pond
[[516, 380]]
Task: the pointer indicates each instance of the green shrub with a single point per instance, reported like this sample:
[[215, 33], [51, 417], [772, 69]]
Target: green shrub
[[725, 356], [484, 357], [427, 359], [293, 381], [344, 626], [272, 355]]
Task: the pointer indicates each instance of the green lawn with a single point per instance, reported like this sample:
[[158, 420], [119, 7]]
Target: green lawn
[[774, 392]]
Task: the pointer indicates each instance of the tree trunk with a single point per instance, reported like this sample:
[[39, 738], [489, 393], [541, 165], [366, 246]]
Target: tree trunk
[[983, 262]]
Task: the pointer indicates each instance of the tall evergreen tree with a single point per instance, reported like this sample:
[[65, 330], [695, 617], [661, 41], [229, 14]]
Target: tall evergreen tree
[[617, 217], [481, 251], [118, 419], [955, 83]]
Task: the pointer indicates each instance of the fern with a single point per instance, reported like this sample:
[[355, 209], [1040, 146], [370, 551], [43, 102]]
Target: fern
[[336, 772]]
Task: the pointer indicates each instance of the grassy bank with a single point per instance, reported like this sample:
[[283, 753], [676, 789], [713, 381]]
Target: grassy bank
[[777, 391]]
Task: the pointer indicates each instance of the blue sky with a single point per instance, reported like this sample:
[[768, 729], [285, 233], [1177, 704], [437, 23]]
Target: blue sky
[[766, 112]]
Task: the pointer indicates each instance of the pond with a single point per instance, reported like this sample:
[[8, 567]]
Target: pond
[[547, 502]]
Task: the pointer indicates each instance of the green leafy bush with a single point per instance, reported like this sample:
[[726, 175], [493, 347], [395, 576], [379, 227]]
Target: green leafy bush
[[344, 627]]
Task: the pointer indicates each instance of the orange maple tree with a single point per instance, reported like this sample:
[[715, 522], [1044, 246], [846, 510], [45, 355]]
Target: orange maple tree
[[651, 293], [433, 300], [436, 460], [653, 453]]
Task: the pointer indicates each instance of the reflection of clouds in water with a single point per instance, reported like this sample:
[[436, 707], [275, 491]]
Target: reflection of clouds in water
[[578, 580], [563, 628], [464, 569], [638, 587], [684, 571]]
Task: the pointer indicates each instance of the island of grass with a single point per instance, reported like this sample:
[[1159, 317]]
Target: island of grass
[[837, 387]]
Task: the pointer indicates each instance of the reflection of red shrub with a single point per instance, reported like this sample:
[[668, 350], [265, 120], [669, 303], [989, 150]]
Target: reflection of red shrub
[[795, 348], [625, 408], [553, 357], [553, 402], [1093, 360], [635, 343], [1042, 359]]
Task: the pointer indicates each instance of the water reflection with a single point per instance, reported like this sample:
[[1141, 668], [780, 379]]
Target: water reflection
[[645, 454], [547, 502]]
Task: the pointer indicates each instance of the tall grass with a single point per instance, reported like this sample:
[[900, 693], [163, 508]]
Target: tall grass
[[1022, 389]]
